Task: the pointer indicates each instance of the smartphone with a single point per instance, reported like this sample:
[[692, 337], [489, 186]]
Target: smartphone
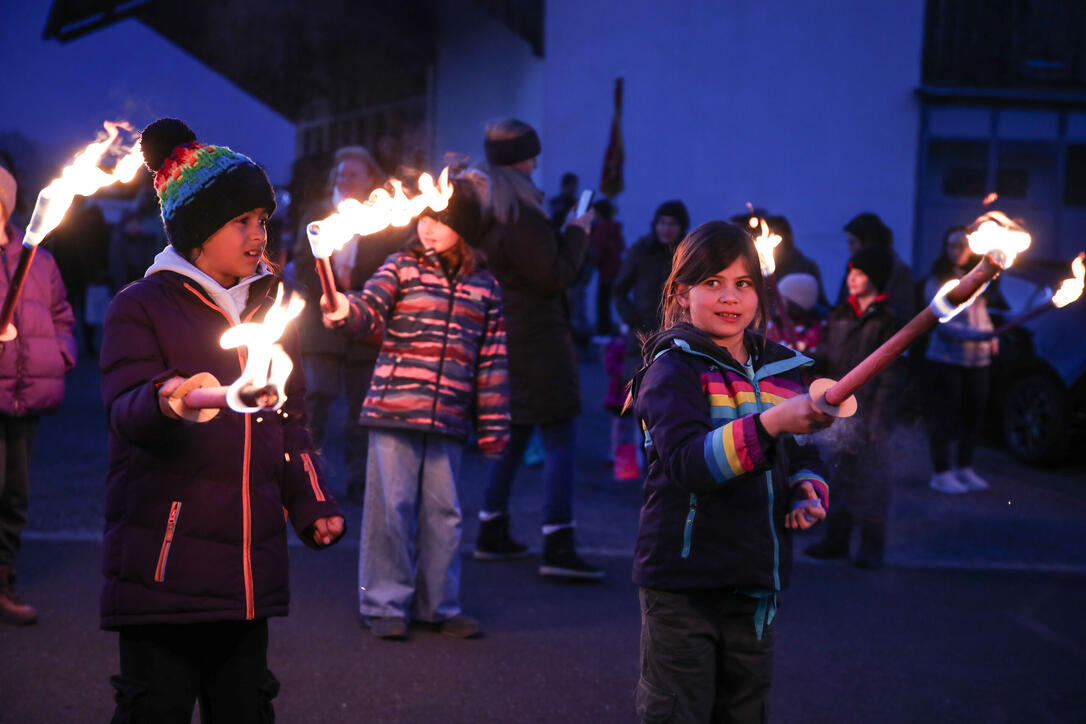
[[584, 203]]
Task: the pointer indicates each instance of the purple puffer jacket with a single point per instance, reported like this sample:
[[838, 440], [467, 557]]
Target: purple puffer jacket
[[195, 511], [32, 365]]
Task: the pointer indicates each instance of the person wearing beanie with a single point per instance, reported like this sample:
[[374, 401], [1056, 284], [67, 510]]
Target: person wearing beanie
[[536, 268], [441, 376], [866, 231], [860, 463], [642, 274], [32, 368], [333, 364], [195, 545]]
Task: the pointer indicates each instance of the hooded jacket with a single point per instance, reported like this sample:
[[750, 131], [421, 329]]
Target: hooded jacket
[[442, 360], [195, 512], [33, 365], [718, 486]]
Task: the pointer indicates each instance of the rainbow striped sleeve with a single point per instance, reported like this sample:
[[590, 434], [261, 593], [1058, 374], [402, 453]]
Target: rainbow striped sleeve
[[822, 489], [733, 449]]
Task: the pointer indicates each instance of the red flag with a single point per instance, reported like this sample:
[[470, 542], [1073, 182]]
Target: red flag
[[611, 182]]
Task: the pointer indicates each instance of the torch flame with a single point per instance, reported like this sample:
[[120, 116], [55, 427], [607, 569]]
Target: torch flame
[[81, 177], [1071, 289], [380, 210], [267, 364], [765, 243], [998, 237]]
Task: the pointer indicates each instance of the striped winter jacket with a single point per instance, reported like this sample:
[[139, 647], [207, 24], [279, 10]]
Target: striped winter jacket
[[442, 361], [718, 486]]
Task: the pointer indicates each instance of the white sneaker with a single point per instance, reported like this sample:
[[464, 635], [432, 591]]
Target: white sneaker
[[970, 479], [945, 482]]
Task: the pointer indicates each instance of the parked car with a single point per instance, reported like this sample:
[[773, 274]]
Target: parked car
[[1037, 405]]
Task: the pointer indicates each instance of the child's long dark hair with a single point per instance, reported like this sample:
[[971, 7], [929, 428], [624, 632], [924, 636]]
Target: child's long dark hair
[[706, 251], [943, 268]]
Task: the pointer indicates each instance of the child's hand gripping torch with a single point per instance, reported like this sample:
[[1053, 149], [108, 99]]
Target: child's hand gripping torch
[[362, 218], [1070, 290], [261, 384], [82, 177], [992, 235]]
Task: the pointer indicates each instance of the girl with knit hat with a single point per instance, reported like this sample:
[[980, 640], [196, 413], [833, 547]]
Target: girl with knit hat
[[442, 365], [195, 544], [860, 464]]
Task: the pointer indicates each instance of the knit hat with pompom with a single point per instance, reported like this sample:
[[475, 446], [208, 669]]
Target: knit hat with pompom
[[200, 187]]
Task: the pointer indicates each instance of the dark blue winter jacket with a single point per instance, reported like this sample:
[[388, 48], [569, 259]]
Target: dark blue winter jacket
[[718, 486]]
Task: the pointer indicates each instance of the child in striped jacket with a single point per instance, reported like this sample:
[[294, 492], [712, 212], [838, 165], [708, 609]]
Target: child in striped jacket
[[726, 484], [442, 364]]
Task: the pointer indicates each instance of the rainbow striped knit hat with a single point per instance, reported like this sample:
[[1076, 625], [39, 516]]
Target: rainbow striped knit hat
[[200, 187]]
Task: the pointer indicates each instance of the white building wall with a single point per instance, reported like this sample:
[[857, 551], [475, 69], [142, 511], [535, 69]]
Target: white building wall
[[57, 95], [483, 72], [803, 108]]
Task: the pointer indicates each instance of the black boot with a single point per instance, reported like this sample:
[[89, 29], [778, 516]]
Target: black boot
[[838, 532], [560, 557], [872, 546], [494, 543]]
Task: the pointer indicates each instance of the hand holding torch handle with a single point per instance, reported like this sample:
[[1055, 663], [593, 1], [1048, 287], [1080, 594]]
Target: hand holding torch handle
[[15, 288], [835, 398], [200, 397]]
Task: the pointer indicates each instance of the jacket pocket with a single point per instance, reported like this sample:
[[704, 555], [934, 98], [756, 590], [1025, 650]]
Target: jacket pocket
[[314, 481], [652, 703], [390, 376], [167, 540]]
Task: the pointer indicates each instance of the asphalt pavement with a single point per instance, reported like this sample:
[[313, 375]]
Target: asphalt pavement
[[976, 618]]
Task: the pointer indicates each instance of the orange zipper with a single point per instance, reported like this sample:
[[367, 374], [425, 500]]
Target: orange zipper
[[164, 551], [313, 482]]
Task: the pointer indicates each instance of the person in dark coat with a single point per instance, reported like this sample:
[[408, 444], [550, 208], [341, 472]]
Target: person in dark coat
[[535, 268], [609, 247], [36, 352], [195, 546], [641, 277], [334, 362], [860, 469]]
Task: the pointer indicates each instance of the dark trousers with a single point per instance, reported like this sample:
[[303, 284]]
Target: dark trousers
[[323, 376], [701, 659], [559, 457], [16, 442], [165, 668], [958, 398]]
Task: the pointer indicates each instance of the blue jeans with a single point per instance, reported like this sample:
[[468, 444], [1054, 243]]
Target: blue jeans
[[559, 448], [409, 562]]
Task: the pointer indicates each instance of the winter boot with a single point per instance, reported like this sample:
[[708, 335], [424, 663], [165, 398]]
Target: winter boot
[[560, 557], [838, 533], [494, 543], [872, 546], [12, 608]]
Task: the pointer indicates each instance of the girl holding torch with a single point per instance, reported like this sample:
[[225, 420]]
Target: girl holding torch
[[195, 547], [442, 364], [32, 369], [958, 361], [726, 484]]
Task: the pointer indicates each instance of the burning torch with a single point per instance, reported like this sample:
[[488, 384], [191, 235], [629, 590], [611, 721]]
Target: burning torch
[[1069, 291], [998, 240], [82, 177], [765, 243], [263, 379], [362, 218]]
